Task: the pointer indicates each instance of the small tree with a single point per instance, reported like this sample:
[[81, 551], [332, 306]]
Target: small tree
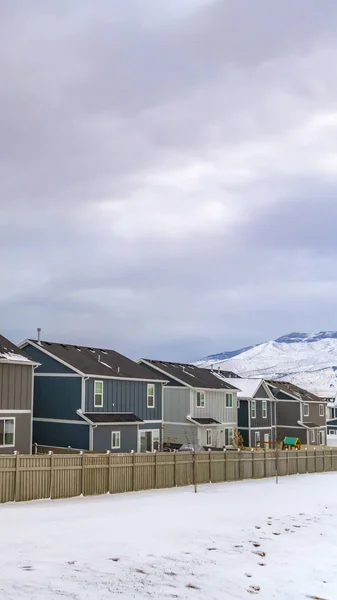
[[238, 441]]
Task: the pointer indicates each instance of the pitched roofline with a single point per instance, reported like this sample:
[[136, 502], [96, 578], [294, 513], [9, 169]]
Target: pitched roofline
[[42, 349], [149, 364]]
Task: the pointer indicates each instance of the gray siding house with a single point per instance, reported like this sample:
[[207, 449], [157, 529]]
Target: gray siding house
[[299, 413], [94, 399], [199, 408], [16, 399], [256, 412]]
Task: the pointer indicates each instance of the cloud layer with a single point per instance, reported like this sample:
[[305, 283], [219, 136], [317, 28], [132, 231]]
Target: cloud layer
[[168, 177]]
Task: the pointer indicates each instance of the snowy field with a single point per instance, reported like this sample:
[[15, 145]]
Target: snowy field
[[233, 540]]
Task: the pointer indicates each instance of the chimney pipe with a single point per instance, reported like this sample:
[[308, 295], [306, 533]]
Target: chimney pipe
[[39, 335]]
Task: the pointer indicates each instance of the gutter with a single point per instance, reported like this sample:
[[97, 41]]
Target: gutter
[[92, 427]]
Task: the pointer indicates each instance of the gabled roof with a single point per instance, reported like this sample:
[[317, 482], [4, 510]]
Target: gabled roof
[[98, 362], [190, 375], [247, 387], [10, 353], [293, 390]]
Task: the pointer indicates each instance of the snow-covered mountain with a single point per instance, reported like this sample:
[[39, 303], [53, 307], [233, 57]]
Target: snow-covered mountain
[[308, 360]]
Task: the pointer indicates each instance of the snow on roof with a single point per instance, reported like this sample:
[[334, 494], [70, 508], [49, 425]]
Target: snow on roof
[[247, 387], [14, 357]]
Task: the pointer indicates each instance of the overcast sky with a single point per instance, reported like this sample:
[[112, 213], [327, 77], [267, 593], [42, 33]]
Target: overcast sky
[[168, 172]]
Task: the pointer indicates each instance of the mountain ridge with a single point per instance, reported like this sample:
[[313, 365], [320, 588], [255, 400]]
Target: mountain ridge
[[307, 359]]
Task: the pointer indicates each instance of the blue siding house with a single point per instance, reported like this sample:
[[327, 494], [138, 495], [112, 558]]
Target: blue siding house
[[94, 399]]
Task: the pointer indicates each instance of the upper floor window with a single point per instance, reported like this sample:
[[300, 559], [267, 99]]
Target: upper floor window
[[264, 409], [321, 410], [7, 432], [229, 400], [98, 394], [150, 395], [253, 409], [305, 410], [201, 399]]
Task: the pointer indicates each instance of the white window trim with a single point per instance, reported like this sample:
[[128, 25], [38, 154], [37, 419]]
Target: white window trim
[[257, 438], [231, 404], [151, 396], [209, 433], [306, 414], [14, 426], [95, 404], [312, 435], [253, 412], [201, 405], [264, 409], [237, 403], [230, 435], [332, 432], [321, 410], [114, 433]]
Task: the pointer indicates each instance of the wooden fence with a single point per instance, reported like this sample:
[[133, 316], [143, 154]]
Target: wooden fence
[[29, 477]]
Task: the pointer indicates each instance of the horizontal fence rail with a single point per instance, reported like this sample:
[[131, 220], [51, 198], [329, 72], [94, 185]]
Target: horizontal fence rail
[[33, 477]]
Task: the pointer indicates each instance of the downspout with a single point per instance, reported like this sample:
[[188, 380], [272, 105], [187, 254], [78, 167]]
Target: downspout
[[84, 379], [32, 407], [249, 425], [91, 430]]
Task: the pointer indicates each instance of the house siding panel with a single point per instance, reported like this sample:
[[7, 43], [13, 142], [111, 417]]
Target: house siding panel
[[261, 393], [176, 404], [215, 407], [102, 438], [287, 413], [125, 396], [57, 397], [16, 387], [314, 414], [180, 434], [259, 421], [23, 423], [48, 364], [61, 435]]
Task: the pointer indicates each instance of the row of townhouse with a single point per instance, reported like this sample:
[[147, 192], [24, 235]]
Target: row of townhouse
[[62, 395]]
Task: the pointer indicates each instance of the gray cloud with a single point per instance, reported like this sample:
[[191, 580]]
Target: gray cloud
[[168, 177]]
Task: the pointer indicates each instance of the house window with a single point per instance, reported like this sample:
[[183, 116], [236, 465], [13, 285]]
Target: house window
[[257, 438], [313, 435], [150, 395], [229, 400], [321, 410], [332, 432], [305, 410], [149, 440], [116, 439], [7, 432], [98, 394], [264, 409], [253, 409], [208, 437], [321, 438], [229, 434], [200, 399], [238, 403]]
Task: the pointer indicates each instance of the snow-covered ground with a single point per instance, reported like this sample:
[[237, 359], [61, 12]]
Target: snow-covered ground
[[225, 542]]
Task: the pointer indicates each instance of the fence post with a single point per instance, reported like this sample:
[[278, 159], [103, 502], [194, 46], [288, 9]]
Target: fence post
[[109, 471], [265, 463], [306, 461], [298, 461], [253, 464], [288, 462], [331, 456], [239, 463], [155, 469], [324, 465], [210, 466], [133, 471], [17, 477], [82, 473], [315, 460], [51, 474], [175, 480], [225, 464]]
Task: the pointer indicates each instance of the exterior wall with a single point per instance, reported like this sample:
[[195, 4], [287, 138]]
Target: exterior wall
[[125, 396], [48, 364], [57, 397], [283, 432], [215, 407], [262, 433], [16, 387], [245, 436], [218, 440], [314, 414], [186, 433], [261, 393], [102, 438], [288, 413], [176, 404], [243, 420], [61, 435], [259, 421], [22, 433]]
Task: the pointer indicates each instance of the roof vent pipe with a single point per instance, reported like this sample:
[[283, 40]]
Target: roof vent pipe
[[118, 370], [39, 335]]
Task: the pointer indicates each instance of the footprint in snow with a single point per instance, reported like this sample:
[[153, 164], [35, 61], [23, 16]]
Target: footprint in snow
[[253, 589]]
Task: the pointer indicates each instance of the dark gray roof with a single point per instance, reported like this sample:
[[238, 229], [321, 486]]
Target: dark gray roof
[[98, 361], [295, 390], [227, 374], [309, 424], [191, 375], [113, 418], [205, 421], [10, 351]]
